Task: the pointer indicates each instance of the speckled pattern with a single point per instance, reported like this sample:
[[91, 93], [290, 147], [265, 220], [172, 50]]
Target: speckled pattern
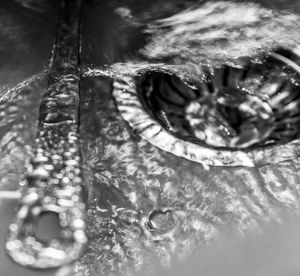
[[53, 180], [131, 179], [19, 113], [147, 205]]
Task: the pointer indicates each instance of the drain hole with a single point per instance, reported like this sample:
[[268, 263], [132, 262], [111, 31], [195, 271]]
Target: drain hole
[[234, 108], [48, 227]]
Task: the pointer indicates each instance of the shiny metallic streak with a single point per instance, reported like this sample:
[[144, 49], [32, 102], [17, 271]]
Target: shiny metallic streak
[[53, 182]]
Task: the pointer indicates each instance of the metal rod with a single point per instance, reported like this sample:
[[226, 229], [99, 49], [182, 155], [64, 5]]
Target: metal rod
[[53, 183]]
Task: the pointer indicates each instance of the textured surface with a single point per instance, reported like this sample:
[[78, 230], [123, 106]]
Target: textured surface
[[53, 183], [132, 179], [147, 205]]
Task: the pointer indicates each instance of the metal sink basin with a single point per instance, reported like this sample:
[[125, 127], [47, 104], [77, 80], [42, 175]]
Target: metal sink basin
[[186, 123]]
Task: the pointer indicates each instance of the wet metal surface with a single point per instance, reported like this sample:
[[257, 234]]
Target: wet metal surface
[[151, 206], [147, 205], [232, 117], [133, 180], [53, 183]]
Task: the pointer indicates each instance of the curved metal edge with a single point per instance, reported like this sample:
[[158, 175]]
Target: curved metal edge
[[132, 111]]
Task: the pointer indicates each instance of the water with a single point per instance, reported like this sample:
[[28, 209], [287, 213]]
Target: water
[[134, 179], [147, 205], [19, 120], [228, 109], [52, 189]]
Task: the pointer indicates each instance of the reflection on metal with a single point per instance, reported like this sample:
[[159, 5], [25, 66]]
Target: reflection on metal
[[234, 117], [53, 181]]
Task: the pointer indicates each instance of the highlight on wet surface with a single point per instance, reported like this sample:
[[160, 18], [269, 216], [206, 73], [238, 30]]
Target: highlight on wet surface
[[234, 116], [217, 32], [195, 89], [53, 183]]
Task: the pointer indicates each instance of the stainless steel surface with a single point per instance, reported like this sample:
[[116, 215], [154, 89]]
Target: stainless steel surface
[[52, 190], [149, 207]]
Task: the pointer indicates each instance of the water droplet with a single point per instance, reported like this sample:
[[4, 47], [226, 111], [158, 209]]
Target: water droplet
[[161, 222]]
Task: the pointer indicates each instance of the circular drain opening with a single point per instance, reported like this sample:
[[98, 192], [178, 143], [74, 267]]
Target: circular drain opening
[[234, 117], [233, 108]]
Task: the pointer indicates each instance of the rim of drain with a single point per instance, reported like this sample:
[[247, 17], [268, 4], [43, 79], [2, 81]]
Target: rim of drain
[[137, 110]]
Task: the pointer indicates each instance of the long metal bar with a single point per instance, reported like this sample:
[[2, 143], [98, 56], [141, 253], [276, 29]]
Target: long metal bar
[[53, 183]]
